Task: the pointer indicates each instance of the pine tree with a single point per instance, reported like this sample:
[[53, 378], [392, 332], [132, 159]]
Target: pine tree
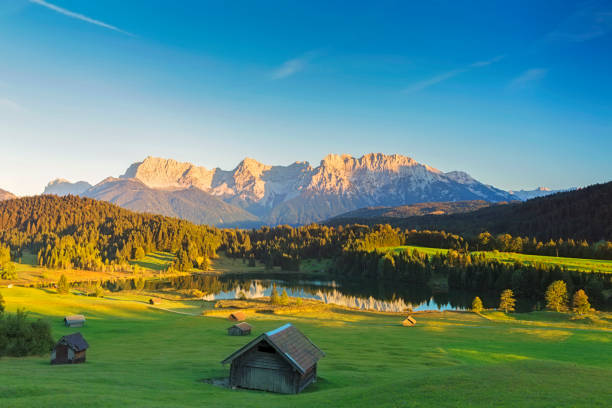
[[580, 303], [507, 301], [284, 299], [139, 253], [274, 298], [63, 286], [556, 296], [477, 305]]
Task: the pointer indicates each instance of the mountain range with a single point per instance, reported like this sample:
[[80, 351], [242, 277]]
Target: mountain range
[[255, 193], [5, 195]]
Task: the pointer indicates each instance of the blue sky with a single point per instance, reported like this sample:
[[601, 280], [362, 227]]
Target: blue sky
[[518, 94]]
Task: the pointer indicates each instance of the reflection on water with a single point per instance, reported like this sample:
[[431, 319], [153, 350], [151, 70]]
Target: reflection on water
[[364, 295]]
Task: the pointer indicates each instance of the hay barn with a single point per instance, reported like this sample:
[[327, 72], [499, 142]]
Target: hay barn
[[409, 321], [70, 349], [74, 321], [237, 317], [154, 301], [240, 329], [282, 360]]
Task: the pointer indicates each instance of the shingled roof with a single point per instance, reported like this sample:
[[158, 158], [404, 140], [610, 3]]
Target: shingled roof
[[290, 343], [75, 341]]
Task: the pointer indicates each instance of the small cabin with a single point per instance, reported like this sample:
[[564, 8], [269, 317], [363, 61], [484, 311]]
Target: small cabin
[[240, 329], [70, 349], [154, 301], [409, 321], [74, 321], [282, 360], [237, 317]]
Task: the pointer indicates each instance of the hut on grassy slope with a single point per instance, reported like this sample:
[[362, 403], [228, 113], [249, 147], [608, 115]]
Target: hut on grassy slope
[[282, 360], [240, 329], [237, 317], [70, 349], [409, 321], [154, 301], [74, 321]]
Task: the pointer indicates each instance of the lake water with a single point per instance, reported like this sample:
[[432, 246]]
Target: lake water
[[364, 295]]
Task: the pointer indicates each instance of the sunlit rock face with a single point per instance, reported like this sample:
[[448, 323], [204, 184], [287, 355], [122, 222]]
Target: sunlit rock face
[[62, 187], [299, 193], [5, 195]]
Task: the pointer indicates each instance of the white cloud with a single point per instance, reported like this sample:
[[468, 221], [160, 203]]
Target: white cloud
[[77, 16], [530, 75], [419, 86], [295, 65], [7, 104]]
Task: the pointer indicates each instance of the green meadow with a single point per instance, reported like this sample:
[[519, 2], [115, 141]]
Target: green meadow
[[578, 264], [141, 356]]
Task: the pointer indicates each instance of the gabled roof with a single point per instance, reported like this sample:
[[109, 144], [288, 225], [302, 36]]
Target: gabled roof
[[290, 343], [75, 318], [237, 316], [75, 341], [242, 326]]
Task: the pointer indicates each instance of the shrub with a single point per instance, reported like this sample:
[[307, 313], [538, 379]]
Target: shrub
[[284, 299], [2, 303], [274, 298], [63, 286], [20, 337]]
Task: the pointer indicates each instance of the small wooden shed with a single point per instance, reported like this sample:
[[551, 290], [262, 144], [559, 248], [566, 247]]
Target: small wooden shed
[[240, 329], [154, 301], [237, 316], [74, 321], [70, 349], [282, 360], [409, 321]]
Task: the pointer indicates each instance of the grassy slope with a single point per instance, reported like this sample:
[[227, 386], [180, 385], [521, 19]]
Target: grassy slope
[[145, 357], [588, 265]]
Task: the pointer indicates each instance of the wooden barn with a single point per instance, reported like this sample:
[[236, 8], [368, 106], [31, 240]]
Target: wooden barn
[[409, 321], [282, 360], [240, 329], [70, 349], [237, 317], [154, 301], [74, 321]]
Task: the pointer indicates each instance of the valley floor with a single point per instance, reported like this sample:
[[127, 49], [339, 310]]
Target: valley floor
[[141, 356]]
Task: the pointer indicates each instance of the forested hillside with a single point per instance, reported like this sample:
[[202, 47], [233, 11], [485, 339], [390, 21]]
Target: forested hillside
[[584, 214]]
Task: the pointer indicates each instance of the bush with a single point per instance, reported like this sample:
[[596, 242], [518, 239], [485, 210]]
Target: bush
[[274, 298], [284, 299], [19, 337], [63, 286], [2, 303]]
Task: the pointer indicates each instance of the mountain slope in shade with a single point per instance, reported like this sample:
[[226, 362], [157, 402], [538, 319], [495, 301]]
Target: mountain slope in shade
[[5, 195], [525, 195], [380, 215], [191, 203], [299, 193], [62, 187], [585, 213]]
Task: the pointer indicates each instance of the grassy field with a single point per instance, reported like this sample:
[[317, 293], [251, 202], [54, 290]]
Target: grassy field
[[144, 357], [578, 264]]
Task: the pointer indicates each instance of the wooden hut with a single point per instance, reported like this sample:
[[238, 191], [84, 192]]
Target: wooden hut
[[70, 349], [74, 321], [154, 301], [237, 317], [409, 321], [240, 329], [282, 360]]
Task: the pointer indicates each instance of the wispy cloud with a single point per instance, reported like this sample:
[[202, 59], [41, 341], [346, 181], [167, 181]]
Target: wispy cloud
[[78, 16], [294, 65], [421, 85], [530, 75], [7, 104], [587, 23]]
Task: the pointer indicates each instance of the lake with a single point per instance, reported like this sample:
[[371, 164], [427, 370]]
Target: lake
[[362, 294]]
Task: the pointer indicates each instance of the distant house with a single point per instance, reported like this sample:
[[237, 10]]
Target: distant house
[[74, 321], [240, 329], [409, 321], [70, 349], [282, 360], [237, 317], [154, 301]]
